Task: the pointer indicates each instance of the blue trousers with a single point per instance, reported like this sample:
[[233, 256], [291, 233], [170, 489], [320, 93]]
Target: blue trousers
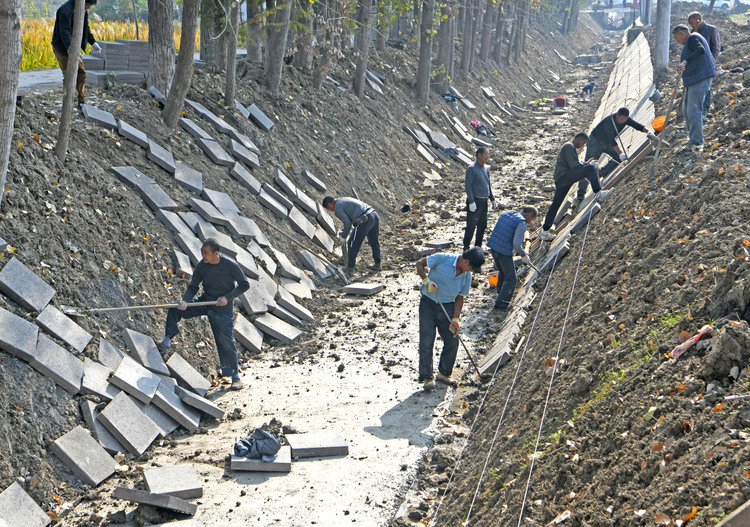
[[222, 325], [506, 279], [432, 318], [692, 109], [369, 230]]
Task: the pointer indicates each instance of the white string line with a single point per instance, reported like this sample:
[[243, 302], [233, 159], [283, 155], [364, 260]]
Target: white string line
[[554, 368]]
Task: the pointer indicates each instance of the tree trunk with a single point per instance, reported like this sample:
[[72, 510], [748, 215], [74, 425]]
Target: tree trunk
[[10, 65], [321, 68], [160, 45], [444, 32], [278, 30], [662, 35], [254, 35], [304, 40], [183, 74], [424, 69], [453, 29], [212, 26], [497, 52], [233, 9], [69, 84], [363, 47], [474, 31], [484, 50], [468, 39], [415, 20], [520, 34], [513, 17]]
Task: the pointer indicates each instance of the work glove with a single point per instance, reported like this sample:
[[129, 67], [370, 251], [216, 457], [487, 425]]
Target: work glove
[[80, 57], [430, 286], [454, 326], [594, 164], [623, 156], [96, 49], [472, 207], [525, 259], [494, 204]]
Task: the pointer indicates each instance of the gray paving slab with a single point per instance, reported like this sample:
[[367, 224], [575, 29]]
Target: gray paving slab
[[3, 245], [155, 197], [306, 280], [207, 211], [246, 179], [278, 196], [242, 109], [156, 94], [439, 244], [131, 132], [298, 289], [220, 124], [155, 500], [130, 426], [99, 116], [18, 509], [314, 181], [131, 176], [286, 300], [439, 140], [259, 118], [286, 184], [272, 204], [324, 240], [740, 517], [239, 225], [193, 129], [17, 335], [563, 210], [247, 334], [188, 177], [286, 267], [199, 403], [317, 444], [277, 328], [269, 283], [583, 218], [244, 154], [260, 255], [167, 401], [191, 219], [244, 140], [109, 355], [135, 380], [426, 154], [192, 247], [215, 152], [144, 350], [57, 324], [247, 263], [24, 287], [161, 156], [97, 429], [179, 481], [306, 203], [364, 289], [83, 455], [220, 200], [163, 422], [301, 224], [226, 244], [315, 264], [325, 220], [96, 380], [173, 222], [186, 375], [254, 299], [58, 364], [282, 463], [286, 316], [182, 264]]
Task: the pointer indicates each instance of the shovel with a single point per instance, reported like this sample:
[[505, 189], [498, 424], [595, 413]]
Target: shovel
[[74, 311]]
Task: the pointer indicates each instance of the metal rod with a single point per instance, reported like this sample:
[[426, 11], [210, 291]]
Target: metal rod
[[74, 311], [461, 340]]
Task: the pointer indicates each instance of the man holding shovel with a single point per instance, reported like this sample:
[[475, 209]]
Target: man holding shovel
[[223, 281], [443, 291]]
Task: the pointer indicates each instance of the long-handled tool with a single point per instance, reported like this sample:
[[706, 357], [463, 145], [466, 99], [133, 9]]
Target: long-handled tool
[[68, 310], [666, 122], [479, 373]]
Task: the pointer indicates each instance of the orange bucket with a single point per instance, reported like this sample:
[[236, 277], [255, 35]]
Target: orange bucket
[[658, 123], [492, 278]]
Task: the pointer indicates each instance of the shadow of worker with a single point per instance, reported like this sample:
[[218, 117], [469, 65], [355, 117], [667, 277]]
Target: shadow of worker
[[409, 418]]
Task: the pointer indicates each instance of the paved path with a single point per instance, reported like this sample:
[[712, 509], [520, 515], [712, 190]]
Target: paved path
[[39, 80]]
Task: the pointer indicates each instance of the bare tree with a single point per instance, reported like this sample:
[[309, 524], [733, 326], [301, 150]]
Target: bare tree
[[213, 26], [662, 35], [484, 49], [424, 69], [383, 24], [254, 31], [10, 65], [160, 44], [304, 39], [184, 71], [443, 53], [278, 30], [468, 36], [363, 46], [502, 22], [233, 9], [69, 84]]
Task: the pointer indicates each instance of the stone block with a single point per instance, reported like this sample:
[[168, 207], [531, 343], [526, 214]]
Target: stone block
[[286, 267], [18, 336], [109, 356], [130, 426], [564, 207], [439, 244], [286, 300], [259, 254], [167, 401], [325, 220], [132, 133], [242, 109], [317, 444], [306, 203], [18, 509], [193, 129], [254, 299], [322, 238], [277, 328], [298, 289], [226, 244], [155, 197], [3, 245], [173, 222], [99, 116], [220, 124], [278, 196], [188, 177], [363, 289], [24, 287], [301, 224], [247, 334], [273, 205], [156, 500], [439, 140], [282, 463], [97, 429], [426, 154], [247, 263], [286, 184], [91, 63], [161, 156], [156, 94], [259, 118], [58, 364], [82, 454], [131, 176], [57, 324], [163, 422], [246, 179], [96, 380], [241, 153], [315, 264], [207, 211], [286, 316], [220, 200], [215, 152], [314, 181], [244, 141], [179, 481], [239, 225], [199, 403], [187, 376], [191, 219], [192, 247], [269, 284], [136, 380], [144, 350], [182, 265]]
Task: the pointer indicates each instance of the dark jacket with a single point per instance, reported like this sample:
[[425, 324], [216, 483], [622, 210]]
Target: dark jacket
[[567, 159], [700, 63], [477, 183], [608, 129], [218, 280], [62, 34], [711, 34]]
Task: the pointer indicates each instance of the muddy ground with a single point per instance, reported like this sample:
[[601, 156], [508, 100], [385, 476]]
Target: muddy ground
[[677, 262]]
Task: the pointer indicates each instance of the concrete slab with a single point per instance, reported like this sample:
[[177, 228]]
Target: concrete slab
[[226, 244], [207, 211], [247, 334], [199, 403], [191, 219], [242, 109], [215, 152], [24, 287], [324, 240], [315, 264], [439, 244], [83, 455], [188, 177], [269, 284], [109, 355], [282, 463], [97, 430], [186, 375], [96, 380], [325, 220], [132, 133], [239, 225], [260, 255], [220, 124], [364, 289], [18, 336], [135, 380], [439, 140], [254, 299], [301, 224], [740, 517], [182, 267], [156, 94], [161, 156], [192, 247], [272, 204], [155, 197], [286, 267], [314, 181], [163, 422], [259, 118], [278, 196], [247, 263], [131, 176], [99, 116], [286, 316], [58, 364], [286, 184], [144, 350], [18, 509], [167, 400], [241, 153], [173, 222], [130, 426], [286, 300], [277, 328], [155, 500], [244, 141], [246, 179], [56, 323], [426, 154], [220, 200], [193, 129], [298, 289], [317, 444], [179, 481]]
